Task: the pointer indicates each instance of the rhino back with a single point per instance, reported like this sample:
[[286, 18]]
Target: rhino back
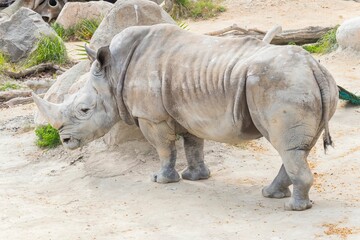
[[196, 80]]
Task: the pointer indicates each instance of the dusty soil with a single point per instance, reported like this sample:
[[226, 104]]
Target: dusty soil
[[101, 193]]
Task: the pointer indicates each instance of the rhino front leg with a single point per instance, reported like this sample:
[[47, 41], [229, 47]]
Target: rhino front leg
[[298, 170], [162, 137], [194, 150], [279, 188]]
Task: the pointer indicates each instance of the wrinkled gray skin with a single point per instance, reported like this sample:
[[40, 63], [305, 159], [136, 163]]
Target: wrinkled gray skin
[[202, 87], [48, 9]]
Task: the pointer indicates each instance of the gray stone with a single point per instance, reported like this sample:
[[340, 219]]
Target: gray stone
[[348, 34], [19, 34], [74, 12], [125, 14]]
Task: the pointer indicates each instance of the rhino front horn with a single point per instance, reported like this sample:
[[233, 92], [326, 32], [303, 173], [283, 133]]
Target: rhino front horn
[[50, 111]]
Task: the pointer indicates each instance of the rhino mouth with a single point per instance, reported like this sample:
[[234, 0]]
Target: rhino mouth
[[70, 142]]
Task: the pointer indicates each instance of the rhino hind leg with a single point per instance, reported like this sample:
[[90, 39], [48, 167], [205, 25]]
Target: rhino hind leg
[[194, 151], [162, 137], [279, 188], [298, 170]]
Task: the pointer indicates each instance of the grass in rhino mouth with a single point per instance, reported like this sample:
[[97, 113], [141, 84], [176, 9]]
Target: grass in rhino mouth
[[47, 137]]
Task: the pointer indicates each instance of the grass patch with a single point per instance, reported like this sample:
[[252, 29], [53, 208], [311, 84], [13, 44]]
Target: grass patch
[[85, 29], [8, 86], [47, 137], [5, 63], [64, 34], [201, 9], [205, 9], [3, 59], [82, 31], [325, 44], [49, 49]]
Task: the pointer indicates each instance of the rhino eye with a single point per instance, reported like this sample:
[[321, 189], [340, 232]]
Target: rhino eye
[[85, 110]]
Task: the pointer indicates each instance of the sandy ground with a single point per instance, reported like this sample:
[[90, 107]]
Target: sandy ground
[[100, 193]]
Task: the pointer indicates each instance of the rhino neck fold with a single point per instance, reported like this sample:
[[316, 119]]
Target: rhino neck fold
[[118, 83]]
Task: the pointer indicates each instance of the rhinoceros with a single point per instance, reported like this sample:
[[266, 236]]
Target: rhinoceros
[[172, 82]]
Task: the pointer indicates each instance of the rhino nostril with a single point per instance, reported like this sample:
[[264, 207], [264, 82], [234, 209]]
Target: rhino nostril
[[66, 140]]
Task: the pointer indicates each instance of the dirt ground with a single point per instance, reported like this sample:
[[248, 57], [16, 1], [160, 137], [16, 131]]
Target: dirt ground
[[100, 193]]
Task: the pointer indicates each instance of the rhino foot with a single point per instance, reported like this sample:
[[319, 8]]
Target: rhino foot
[[270, 192], [297, 205], [166, 176], [193, 174]]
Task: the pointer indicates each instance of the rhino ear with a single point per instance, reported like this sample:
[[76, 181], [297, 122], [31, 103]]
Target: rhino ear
[[91, 53], [104, 56]]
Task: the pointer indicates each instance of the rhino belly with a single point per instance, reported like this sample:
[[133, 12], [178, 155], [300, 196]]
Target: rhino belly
[[220, 127]]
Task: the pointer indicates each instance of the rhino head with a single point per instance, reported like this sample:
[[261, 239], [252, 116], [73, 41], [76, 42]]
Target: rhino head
[[91, 112]]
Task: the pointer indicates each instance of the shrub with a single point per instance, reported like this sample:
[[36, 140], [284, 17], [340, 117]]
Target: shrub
[[47, 137], [8, 86], [325, 44], [49, 49]]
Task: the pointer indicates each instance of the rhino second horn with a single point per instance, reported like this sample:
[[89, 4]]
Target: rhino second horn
[[91, 53], [50, 111]]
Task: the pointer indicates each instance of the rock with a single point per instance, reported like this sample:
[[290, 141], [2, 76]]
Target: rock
[[348, 34], [19, 34], [125, 14], [74, 12]]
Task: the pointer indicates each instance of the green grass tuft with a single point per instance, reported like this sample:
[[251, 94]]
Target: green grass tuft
[[47, 137], [5, 62], [82, 31], [183, 25], [64, 34], [325, 44], [205, 9], [8, 86], [49, 49], [201, 9], [85, 29]]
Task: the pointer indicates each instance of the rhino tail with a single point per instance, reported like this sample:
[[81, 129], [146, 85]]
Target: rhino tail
[[324, 86]]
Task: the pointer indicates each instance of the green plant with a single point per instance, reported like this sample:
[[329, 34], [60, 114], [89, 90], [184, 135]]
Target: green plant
[[183, 25], [203, 9], [85, 29], [8, 86], [3, 59], [64, 34], [49, 49], [325, 44], [4, 62], [82, 31], [47, 137]]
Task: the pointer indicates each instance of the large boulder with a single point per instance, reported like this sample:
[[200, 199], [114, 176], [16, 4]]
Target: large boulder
[[19, 34], [348, 34], [125, 13], [74, 12]]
